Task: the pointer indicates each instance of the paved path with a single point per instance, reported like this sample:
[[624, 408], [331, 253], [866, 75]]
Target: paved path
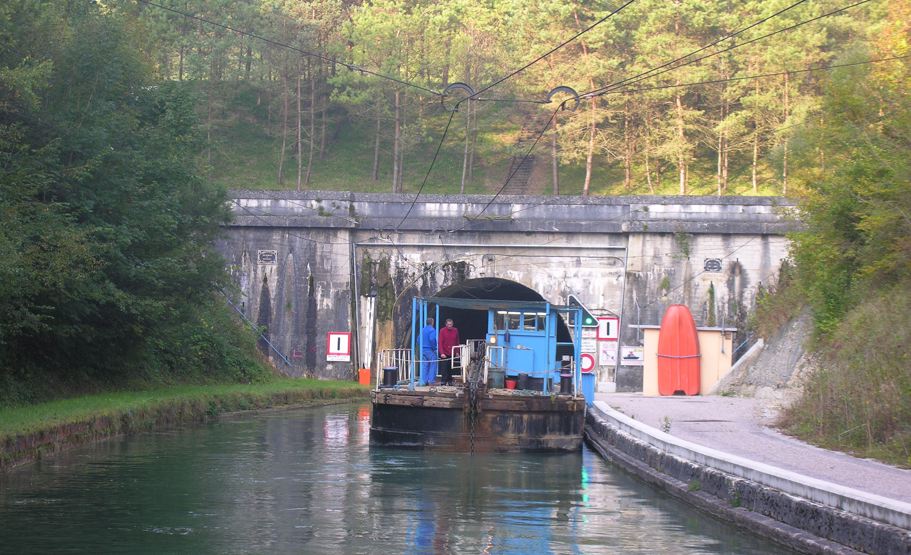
[[741, 426]]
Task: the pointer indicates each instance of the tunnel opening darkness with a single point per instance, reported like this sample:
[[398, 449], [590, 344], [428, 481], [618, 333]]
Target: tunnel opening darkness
[[472, 324]]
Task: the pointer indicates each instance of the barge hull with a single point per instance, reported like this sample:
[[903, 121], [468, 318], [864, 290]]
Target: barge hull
[[508, 423]]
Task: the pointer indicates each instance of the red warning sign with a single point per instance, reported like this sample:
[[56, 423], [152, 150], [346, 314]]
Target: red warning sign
[[588, 362]]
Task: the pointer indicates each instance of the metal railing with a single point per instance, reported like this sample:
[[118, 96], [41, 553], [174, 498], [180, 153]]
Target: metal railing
[[473, 349], [400, 358], [461, 356]]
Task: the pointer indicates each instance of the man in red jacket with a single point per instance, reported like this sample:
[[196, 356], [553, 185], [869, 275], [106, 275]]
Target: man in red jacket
[[449, 338]]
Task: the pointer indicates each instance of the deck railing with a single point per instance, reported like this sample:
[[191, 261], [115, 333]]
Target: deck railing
[[400, 358]]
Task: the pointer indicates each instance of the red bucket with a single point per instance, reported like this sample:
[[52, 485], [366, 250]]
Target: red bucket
[[510, 383]]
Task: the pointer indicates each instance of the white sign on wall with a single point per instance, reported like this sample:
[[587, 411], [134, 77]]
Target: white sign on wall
[[632, 355], [266, 257], [338, 346], [608, 328], [589, 345], [607, 353]]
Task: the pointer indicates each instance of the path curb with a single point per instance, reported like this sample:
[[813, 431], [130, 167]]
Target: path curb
[[801, 512]]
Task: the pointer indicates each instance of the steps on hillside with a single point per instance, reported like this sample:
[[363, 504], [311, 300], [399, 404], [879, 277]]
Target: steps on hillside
[[521, 166], [520, 169]]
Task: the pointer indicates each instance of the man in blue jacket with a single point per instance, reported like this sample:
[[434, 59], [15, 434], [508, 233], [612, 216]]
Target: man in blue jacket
[[428, 354]]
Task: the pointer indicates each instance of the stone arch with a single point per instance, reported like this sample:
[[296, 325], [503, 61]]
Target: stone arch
[[472, 324]]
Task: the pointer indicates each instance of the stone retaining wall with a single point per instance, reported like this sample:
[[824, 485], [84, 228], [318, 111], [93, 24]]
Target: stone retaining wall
[[822, 518]]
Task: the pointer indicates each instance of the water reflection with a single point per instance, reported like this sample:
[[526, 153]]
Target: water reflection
[[307, 481]]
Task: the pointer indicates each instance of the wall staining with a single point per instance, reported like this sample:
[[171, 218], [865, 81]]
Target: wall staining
[[264, 317], [701, 271], [311, 341]]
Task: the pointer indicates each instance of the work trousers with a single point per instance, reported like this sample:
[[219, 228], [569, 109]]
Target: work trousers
[[429, 367]]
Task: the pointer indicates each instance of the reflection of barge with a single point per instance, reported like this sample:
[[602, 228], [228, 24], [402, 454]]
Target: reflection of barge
[[545, 412]]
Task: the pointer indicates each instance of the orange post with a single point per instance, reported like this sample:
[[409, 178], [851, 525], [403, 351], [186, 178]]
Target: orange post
[[363, 376]]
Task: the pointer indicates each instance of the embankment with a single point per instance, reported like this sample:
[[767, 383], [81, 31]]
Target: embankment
[[806, 514], [48, 429]]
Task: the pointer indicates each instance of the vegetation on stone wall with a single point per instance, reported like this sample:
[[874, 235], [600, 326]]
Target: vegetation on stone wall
[[853, 261]]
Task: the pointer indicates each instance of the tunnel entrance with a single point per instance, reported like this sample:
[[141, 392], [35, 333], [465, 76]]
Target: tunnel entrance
[[472, 324]]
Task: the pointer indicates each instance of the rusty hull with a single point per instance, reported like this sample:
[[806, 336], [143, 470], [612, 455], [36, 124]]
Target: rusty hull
[[505, 422]]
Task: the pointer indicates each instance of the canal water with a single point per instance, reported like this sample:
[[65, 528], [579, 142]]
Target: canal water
[[307, 481]]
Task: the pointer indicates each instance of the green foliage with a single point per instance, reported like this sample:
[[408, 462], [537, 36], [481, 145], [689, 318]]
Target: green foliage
[[722, 138], [854, 259], [107, 261], [777, 304], [860, 398], [859, 199]]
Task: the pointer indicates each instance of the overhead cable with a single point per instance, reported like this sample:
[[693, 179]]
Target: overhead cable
[[757, 76], [554, 49], [273, 42], [648, 74]]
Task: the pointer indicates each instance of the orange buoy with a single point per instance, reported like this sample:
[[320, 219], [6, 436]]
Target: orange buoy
[[678, 352]]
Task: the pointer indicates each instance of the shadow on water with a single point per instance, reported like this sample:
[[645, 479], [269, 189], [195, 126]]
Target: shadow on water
[[307, 481]]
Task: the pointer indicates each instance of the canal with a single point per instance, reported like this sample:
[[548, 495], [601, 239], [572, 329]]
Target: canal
[[307, 481]]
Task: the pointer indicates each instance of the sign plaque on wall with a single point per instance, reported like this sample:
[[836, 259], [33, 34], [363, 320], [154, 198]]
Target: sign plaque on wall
[[266, 257], [608, 328], [338, 346], [589, 345], [632, 355], [607, 353]]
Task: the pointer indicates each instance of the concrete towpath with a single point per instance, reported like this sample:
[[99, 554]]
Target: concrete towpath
[[742, 426]]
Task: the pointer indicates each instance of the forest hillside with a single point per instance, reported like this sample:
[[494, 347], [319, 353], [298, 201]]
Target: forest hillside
[[693, 97]]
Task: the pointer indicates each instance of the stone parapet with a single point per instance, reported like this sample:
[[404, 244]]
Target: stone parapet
[[473, 213]]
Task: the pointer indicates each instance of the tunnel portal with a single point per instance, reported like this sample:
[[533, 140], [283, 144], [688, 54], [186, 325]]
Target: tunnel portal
[[472, 324]]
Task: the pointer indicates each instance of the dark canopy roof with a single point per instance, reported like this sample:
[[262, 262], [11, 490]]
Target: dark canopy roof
[[495, 304]]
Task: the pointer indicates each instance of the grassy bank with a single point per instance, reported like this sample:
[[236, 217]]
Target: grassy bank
[[859, 399], [29, 432]]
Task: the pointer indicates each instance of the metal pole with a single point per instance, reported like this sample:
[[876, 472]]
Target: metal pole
[[414, 307], [548, 369], [357, 308], [622, 317], [577, 352]]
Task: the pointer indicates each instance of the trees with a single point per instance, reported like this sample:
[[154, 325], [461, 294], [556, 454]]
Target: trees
[[108, 232], [859, 199], [723, 137]]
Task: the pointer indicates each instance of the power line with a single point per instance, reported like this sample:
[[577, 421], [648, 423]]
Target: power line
[[651, 73], [554, 49], [715, 81], [758, 76], [707, 46], [432, 162], [508, 178], [645, 75], [273, 42], [492, 85]]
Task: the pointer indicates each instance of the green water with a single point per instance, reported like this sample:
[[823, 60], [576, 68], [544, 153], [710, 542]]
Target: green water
[[307, 481]]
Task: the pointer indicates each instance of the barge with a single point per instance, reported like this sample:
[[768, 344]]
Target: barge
[[518, 388]]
